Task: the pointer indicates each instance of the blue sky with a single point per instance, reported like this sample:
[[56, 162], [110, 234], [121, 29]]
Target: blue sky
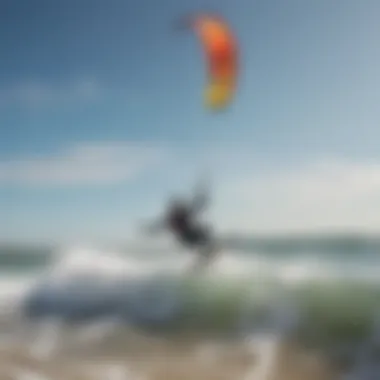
[[101, 116]]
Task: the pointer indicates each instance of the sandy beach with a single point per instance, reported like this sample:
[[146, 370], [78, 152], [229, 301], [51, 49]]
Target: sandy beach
[[158, 359]]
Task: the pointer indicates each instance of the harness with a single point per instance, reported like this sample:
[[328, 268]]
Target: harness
[[179, 222]]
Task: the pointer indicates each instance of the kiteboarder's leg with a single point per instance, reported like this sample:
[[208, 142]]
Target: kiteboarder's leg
[[204, 246], [208, 252], [205, 256]]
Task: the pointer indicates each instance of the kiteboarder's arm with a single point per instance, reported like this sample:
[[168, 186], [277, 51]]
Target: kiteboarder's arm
[[201, 198], [199, 202]]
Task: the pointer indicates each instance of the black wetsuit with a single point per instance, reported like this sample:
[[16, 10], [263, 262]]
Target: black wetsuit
[[188, 231]]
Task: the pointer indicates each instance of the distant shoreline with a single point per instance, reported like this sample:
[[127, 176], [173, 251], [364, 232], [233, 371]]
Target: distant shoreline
[[285, 240]]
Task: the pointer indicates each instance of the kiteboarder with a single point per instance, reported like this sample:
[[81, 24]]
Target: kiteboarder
[[182, 220]]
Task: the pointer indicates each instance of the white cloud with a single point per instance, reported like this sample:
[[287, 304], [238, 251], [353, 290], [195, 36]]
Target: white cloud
[[80, 165], [326, 195], [34, 94]]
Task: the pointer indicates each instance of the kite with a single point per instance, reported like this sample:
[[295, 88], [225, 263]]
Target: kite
[[220, 49]]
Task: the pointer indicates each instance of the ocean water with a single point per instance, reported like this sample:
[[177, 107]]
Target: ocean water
[[322, 294]]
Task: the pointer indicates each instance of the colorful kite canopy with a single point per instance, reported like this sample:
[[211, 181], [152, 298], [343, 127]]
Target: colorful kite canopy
[[221, 54]]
